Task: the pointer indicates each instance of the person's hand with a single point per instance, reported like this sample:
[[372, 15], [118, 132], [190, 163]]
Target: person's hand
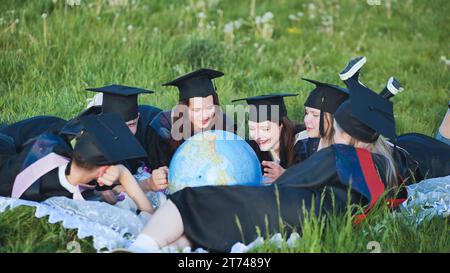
[[108, 175], [158, 180], [272, 170]]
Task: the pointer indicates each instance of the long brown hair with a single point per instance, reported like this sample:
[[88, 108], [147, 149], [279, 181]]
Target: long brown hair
[[173, 143], [287, 141]]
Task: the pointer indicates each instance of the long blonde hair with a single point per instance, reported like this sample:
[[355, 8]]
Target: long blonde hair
[[380, 146]]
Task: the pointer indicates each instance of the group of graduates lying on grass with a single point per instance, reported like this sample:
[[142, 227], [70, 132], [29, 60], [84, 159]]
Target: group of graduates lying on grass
[[345, 152]]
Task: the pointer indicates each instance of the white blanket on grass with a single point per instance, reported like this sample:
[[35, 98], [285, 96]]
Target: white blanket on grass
[[116, 226]]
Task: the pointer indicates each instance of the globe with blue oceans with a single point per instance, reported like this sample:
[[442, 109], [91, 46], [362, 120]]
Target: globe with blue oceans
[[215, 158]]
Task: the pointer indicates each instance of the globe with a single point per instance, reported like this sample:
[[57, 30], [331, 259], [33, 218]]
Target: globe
[[214, 158]]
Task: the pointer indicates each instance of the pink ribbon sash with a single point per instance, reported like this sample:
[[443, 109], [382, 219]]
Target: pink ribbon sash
[[35, 171]]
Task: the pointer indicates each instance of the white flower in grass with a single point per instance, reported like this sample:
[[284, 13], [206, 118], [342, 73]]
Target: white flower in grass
[[445, 60], [44, 16], [201, 15], [17, 21], [228, 28], [300, 14], [73, 2], [120, 3], [293, 17], [124, 39], [312, 11], [130, 28], [238, 23], [258, 20], [267, 17]]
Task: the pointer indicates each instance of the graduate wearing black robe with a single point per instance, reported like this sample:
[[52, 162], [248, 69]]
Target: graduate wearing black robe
[[46, 186], [196, 84], [210, 213], [159, 138], [146, 114], [106, 140]]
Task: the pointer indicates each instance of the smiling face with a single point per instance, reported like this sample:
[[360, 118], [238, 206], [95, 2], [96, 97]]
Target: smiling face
[[312, 121], [202, 112], [266, 134]]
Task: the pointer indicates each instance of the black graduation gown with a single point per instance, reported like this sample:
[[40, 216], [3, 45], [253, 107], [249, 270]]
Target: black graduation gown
[[432, 155], [146, 114], [304, 148], [7, 145], [210, 214], [46, 186], [159, 135], [24, 130]]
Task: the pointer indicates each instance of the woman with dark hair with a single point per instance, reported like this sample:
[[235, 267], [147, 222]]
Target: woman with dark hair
[[47, 165], [198, 110], [272, 134]]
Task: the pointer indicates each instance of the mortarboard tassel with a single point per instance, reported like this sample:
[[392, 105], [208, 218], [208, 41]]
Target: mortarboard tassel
[[321, 129]]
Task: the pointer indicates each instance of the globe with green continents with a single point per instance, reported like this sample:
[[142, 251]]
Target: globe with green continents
[[215, 158]]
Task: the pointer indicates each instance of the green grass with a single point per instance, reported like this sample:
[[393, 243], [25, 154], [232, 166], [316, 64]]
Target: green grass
[[46, 63]]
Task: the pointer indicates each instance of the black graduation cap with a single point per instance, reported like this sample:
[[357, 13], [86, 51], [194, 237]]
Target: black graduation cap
[[74, 126], [196, 84], [106, 140], [366, 114], [120, 99], [325, 97], [263, 106]]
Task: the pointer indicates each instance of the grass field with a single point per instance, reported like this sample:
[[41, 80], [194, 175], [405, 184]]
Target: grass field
[[50, 51]]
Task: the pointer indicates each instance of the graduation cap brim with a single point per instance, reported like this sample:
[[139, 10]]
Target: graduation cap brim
[[74, 126], [337, 87], [266, 102], [326, 96], [121, 99], [196, 84], [266, 99], [120, 90], [107, 140]]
